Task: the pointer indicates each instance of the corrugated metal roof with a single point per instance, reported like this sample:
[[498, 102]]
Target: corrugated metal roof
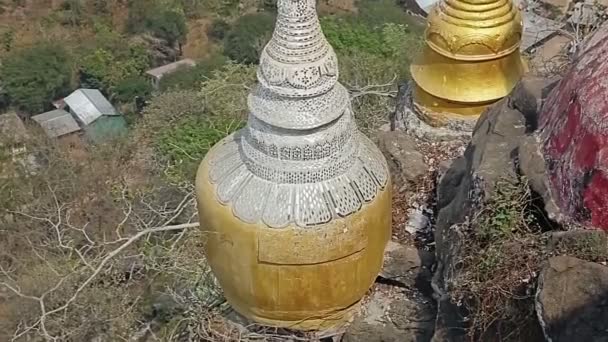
[[171, 67], [89, 105], [57, 123]]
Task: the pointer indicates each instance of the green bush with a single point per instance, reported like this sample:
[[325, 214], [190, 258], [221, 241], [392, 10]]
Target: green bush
[[130, 88], [104, 69], [349, 35], [247, 38], [169, 25], [35, 76], [191, 77], [218, 30], [376, 13], [188, 142], [181, 125], [165, 20], [371, 58]]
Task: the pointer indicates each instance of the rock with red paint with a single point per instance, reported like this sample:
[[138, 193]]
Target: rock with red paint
[[573, 127]]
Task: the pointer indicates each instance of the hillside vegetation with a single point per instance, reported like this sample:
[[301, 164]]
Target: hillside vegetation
[[97, 244]]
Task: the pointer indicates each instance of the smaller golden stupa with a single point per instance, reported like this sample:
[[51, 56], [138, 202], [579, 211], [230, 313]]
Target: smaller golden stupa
[[470, 60]]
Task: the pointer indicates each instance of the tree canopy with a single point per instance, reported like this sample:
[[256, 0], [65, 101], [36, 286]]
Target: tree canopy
[[248, 36], [35, 76]]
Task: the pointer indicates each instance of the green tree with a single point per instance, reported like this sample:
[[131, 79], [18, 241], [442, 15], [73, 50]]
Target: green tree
[[348, 34], [102, 69], [95, 69], [34, 77], [162, 19], [169, 25], [130, 88], [247, 38]]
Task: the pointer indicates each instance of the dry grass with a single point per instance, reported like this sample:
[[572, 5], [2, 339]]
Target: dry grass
[[496, 270]]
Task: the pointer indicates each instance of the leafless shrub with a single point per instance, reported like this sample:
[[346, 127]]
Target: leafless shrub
[[497, 267]]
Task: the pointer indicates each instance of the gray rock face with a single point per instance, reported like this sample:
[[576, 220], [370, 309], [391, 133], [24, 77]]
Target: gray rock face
[[406, 118], [406, 265], [392, 319], [572, 299], [398, 312], [502, 134], [406, 163], [400, 262]]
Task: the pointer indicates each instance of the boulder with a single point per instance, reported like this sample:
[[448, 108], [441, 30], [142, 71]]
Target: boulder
[[573, 129], [399, 261], [392, 318], [405, 161], [503, 135], [572, 299], [407, 266]]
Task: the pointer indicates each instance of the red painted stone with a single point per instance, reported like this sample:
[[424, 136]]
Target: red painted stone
[[574, 134]]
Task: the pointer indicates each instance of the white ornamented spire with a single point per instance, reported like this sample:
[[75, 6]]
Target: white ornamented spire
[[300, 159]]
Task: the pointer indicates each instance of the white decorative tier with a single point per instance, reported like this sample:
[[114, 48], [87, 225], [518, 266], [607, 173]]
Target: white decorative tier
[[300, 159]]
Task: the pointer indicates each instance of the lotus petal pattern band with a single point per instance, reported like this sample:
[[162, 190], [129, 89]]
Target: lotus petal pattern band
[[474, 30], [300, 159]]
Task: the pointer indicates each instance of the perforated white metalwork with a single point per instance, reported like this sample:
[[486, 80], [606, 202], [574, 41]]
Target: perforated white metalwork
[[300, 159]]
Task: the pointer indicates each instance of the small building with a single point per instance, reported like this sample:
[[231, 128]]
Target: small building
[[84, 110], [57, 123], [88, 105], [157, 74]]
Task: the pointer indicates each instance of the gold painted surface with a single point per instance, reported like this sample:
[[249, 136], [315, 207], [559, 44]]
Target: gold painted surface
[[471, 59], [290, 277], [466, 82], [473, 30], [436, 111]]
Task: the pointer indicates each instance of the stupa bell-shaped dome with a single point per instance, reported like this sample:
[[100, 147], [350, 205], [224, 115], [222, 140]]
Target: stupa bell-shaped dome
[[474, 29], [471, 53]]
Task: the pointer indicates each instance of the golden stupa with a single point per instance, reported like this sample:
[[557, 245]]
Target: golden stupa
[[470, 60], [297, 204]]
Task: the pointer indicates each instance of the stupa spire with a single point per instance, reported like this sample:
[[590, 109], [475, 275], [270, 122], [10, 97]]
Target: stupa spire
[[298, 61], [298, 72], [301, 149]]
